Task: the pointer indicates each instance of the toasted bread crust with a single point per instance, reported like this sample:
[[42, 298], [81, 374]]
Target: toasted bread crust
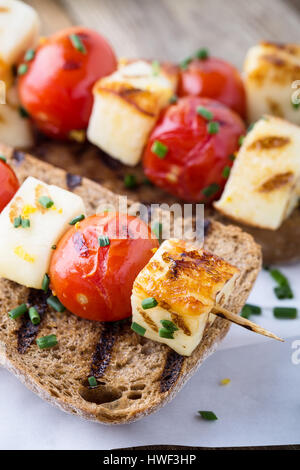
[[136, 375]]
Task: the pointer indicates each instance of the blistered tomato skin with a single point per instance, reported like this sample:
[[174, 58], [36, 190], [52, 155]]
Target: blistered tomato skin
[[56, 89], [196, 165], [216, 79], [93, 281], [9, 184]]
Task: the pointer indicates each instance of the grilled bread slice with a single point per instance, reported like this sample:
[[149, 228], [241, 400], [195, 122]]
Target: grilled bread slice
[[136, 375]]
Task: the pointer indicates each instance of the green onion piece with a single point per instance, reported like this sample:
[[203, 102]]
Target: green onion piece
[[285, 312], [23, 112], [92, 381], [53, 247], [47, 341], [56, 304], [241, 139], [211, 189], [232, 157], [185, 63], [159, 149], [202, 54], [34, 316], [25, 223], [18, 311], [226, 171], [169, 325], [3, 158], [157, 230], [22, 69], [155, 68], [140, 330], [79, 218], [249, 309], [164, 333], [77, 43], [204, 112], [17, 221], [46, 202], [45, 283], [279, 277], [250, 127], [295, 105], [29, 55], [213, 127], [130, 181], [208, 415], [283, 292], [150, 302], [103, 240], [173, 99]]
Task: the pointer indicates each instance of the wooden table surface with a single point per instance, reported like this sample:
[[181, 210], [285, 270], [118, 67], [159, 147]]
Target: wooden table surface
[[173, 29]]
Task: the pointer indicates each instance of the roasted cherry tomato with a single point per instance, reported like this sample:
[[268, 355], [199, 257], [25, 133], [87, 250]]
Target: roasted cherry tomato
[[9, 184], [190, 151], [55, 81], [95, 281], [216, 79]]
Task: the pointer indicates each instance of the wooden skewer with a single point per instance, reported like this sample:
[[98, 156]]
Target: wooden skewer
[[224, 313]]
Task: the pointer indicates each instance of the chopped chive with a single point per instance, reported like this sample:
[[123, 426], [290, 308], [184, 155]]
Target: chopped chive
[[213, 127], [140, 330], [3, 158], [285, 312], [295, 105], [25, 223], [232, 157], [130, 181], [34, 316], [92, 381], [45, 283], [79, 218], [204, 112], [155, 68], [77, 43], [249, 309], [103, 240], [47, 341], [53, 247], [159, 149], [208, 415], [173, 99], [150, 302], [202, 54], [157, 230], [17, 221], [164, 333], [46, 202], [23, 112], [279, 277], [226, 171], [22, 69], [241, 139], [169, 325], [56, 304], [211, 189], [185, 63], [18, 311], [29, 55], [283, 292], [250, 127]]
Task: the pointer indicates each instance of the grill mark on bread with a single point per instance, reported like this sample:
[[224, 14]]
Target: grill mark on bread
[[171, 371], [28, 331], [147, 319], [102, 355], [269, 142], [277, 181]]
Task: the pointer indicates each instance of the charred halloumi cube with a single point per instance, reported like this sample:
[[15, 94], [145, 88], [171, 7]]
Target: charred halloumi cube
[[19, 28], [270, 69], [126, 107], [264, 184], [34, 221], [174, 294]]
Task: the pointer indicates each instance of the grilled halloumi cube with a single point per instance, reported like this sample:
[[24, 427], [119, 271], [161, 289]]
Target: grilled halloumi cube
[[19, 28], [186, 283], [25, 248], [270, 69], [264, 184], [126, 107], [15, 130]]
